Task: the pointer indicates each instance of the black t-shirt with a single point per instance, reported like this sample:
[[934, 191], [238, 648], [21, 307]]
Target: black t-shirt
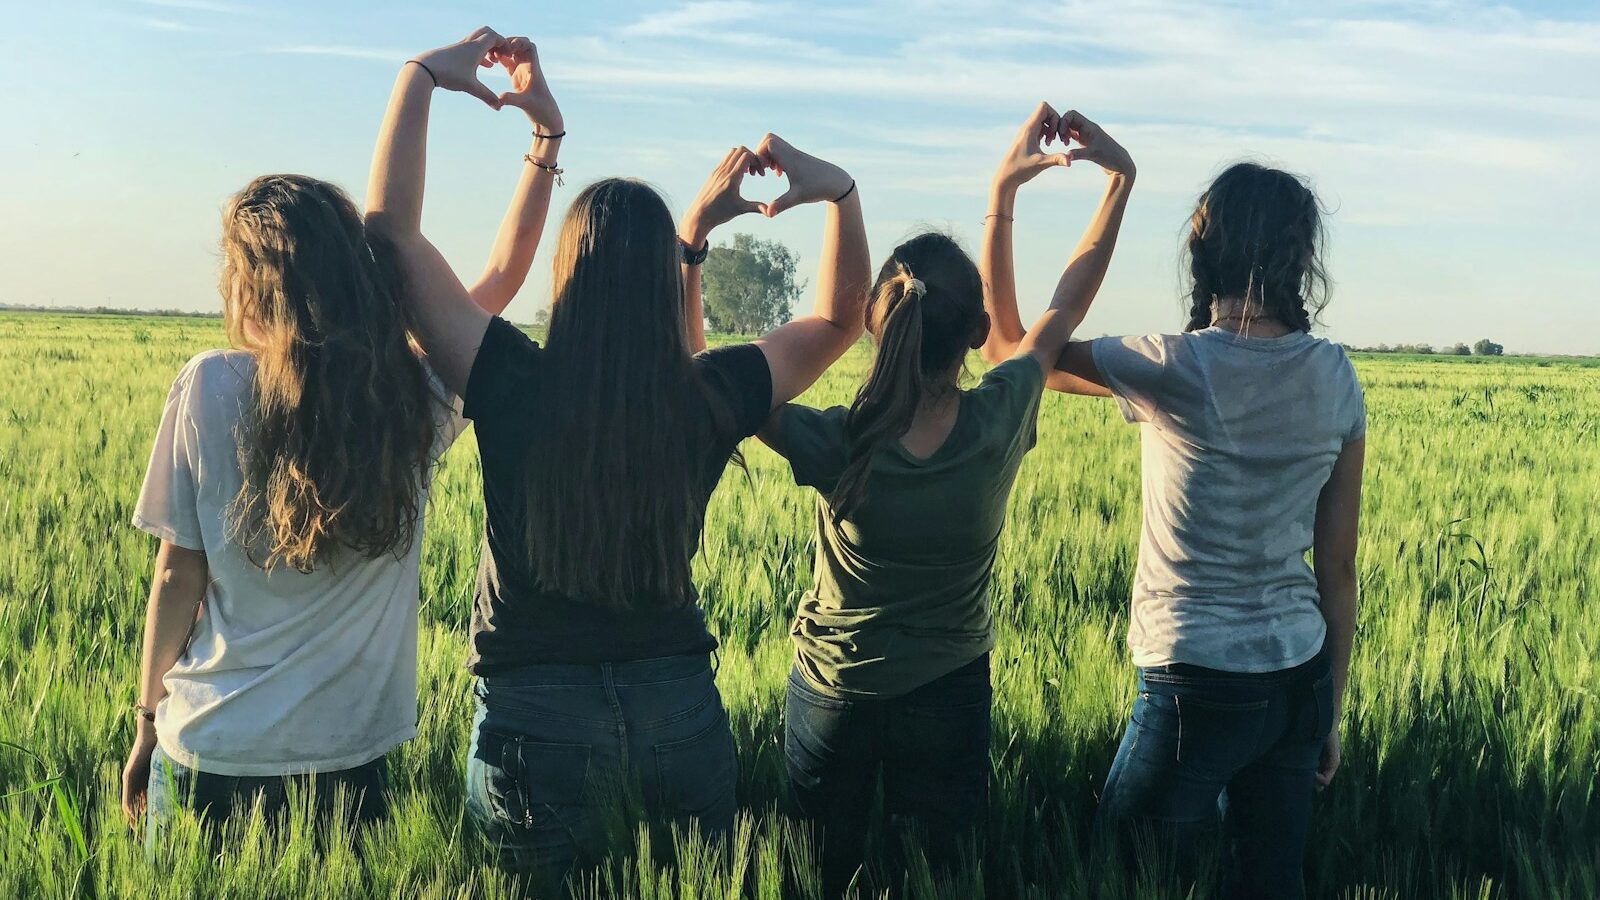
[[515, 622]]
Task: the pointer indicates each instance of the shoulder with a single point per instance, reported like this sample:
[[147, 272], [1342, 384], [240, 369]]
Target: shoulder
[[732, 359], [215, 374], [1157, 348], [1020, 374], [740, 375]]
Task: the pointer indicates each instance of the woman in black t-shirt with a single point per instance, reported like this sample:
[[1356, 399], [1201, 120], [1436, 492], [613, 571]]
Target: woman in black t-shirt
[[600, 451]]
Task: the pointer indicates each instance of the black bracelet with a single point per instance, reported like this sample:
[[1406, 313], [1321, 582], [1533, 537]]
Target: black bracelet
[[693, 257], [847, 193], [549, 137], [426, 69]]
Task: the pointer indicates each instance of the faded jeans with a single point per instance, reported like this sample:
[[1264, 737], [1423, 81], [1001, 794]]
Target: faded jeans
[[1205, 745], [550, 740]]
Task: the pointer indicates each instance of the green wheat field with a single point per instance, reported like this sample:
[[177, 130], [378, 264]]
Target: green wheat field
[[1472, 734]]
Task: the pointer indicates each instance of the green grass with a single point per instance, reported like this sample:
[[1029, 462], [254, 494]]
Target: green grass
[[1472, 735]]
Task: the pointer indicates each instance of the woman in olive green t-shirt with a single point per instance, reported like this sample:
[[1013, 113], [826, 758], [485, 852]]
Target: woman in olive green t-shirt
[[891, 664]]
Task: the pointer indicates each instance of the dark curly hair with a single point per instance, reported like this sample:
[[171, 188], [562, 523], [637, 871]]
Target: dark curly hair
[[1256, 236], [336, 439]]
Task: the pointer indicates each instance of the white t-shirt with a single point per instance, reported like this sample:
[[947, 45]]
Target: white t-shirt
[[287, 672], [1239, 438]]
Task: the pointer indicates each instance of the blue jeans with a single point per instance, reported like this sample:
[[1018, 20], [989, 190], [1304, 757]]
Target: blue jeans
[[216, 797], [931, 747], [1205, 745], [553, 746]]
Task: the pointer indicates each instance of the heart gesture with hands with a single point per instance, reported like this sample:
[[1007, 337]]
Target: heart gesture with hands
[[810, 180], [1025, 159], [1094, 144], [455, 67], [530, 90]]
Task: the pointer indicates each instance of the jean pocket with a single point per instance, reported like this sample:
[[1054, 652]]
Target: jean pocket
[[537, 785], [1217, 737], [1318, 715], [695, 776]]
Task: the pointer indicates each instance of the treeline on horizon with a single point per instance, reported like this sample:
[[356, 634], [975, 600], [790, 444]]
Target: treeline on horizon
[[1483, 347]]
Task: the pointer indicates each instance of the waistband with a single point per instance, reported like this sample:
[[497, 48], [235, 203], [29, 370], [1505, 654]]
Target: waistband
[[1182, 673], [628, 673]]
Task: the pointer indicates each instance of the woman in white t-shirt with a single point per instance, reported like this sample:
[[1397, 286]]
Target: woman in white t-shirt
[[288, 485], [1253, 439]]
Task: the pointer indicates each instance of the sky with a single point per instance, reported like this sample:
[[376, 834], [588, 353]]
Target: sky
[[1453, 143]]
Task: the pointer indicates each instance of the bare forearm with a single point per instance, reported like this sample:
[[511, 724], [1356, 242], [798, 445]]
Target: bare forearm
[[845, 274], [395, 183], [176, 590], [694, 317], [1340, 601], [1080, 282], [521, 229], [999, 277]]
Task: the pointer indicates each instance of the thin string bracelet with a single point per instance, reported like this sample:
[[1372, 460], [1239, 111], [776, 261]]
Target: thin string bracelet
[[998, 216], [549, 137], [552, 168], [848, 192], [425, 68]]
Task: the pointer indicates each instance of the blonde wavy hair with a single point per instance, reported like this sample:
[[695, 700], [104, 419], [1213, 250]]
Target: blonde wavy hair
[[335, 442]]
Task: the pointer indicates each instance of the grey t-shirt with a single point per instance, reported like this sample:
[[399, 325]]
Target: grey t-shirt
[[1239, 437]]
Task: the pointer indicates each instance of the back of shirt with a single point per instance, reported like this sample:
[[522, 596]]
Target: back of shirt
[[901, 586], [285, 672], [1239, 437]]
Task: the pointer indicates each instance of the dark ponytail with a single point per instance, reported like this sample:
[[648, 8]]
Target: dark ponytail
[[885, 405], [925, 310], [1256, 236]]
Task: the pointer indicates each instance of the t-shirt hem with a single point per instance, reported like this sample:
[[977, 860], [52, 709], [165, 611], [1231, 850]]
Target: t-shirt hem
[[477, 665], [837, 692], [169, 534], [1145, 659], [377, 749]]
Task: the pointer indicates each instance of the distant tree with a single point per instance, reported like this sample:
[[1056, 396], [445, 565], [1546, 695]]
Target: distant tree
[[1461, 350], [541, 319], [749, 285], [1487, 347]]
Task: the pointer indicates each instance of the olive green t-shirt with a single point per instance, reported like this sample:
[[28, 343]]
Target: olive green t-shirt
[[901, 586]]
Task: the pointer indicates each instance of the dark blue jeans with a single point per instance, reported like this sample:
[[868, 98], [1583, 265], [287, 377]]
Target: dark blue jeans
[[1205, 745], [217, 797], [555, 746], [931, 747]]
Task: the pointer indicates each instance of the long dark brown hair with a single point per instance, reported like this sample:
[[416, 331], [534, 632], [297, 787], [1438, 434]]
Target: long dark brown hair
[[1256, 236], [925, 310], [340, 424], [613, 509]]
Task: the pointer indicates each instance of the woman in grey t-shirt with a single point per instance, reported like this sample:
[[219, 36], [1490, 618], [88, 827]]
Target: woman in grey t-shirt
[[1253, 439]]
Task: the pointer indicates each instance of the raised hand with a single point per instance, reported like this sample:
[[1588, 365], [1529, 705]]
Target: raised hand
[[810, 179], [455, 68], [720, 201], [1095, 145], [530, 91], [1024, 159]]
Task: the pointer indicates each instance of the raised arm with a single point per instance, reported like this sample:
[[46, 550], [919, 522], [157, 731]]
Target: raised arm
[[1333, 556], [176, 589], [523, 225], [799, 351], [450, 324], [1081, 280], [719, 202]]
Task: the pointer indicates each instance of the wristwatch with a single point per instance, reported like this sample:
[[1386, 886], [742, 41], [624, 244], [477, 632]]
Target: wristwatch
[[691, 256]]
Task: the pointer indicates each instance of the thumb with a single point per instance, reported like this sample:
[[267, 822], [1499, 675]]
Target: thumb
[[480, 90], [787, 199], [752, 206], [1059, 159], [1076, 154]]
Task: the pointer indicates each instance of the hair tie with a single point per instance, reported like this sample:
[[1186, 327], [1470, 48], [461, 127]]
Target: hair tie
[[914, 286]]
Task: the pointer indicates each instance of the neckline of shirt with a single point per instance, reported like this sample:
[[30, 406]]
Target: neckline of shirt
[[1280, 342]]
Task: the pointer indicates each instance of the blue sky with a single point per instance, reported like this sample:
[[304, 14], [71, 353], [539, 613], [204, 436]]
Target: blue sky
[[1453, 142]]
